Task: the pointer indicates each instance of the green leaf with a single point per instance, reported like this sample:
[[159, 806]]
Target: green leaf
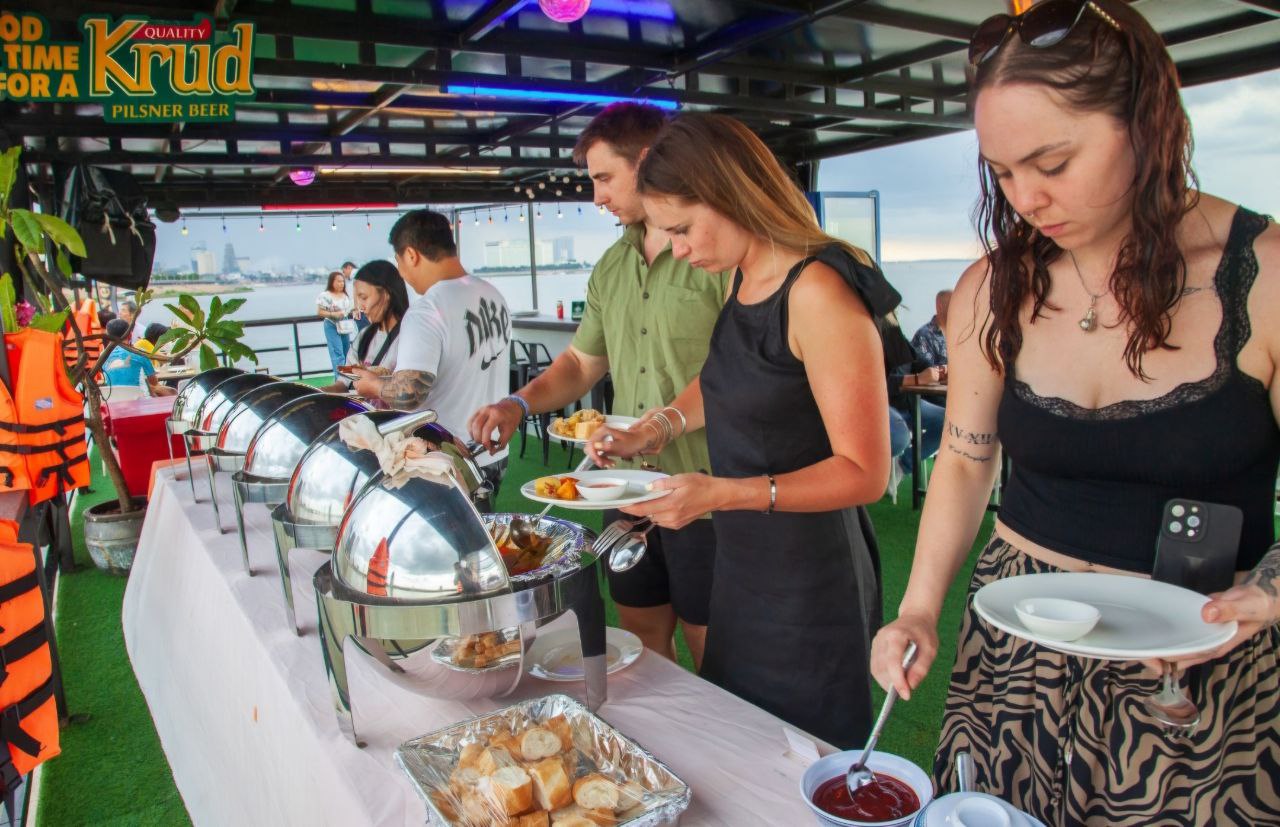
[[8, 298], [180, 314], [62, 233], [174, 334], [49, 322], [215, 310], [208, 359], [8, 172], [231, 306], [64, 262], [27, 230], [240, 351]]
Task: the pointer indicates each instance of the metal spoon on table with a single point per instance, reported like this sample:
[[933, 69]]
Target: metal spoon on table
[[859, 776], [523, 531]]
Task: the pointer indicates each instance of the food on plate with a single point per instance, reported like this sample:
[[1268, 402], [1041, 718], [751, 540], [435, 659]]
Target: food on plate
[[578, 425], [479, 651], [530, 777], [560, 488]]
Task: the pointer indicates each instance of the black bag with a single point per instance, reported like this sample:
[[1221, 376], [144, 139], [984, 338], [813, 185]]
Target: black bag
[[109, 210]]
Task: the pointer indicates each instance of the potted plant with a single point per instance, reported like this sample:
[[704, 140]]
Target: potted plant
[[111, 528]]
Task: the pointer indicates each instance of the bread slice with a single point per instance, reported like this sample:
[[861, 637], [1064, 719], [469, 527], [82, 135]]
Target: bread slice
[[538, 743], [560, 726], [575, 816], [470, 754], [551, 786], [510, 790], [584, 430], [538, 818], [494, 759], [596, 792]]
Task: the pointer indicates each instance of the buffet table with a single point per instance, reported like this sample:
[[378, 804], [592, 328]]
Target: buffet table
[[243, 709]]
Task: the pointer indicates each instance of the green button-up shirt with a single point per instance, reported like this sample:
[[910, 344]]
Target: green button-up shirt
[[653, 323]]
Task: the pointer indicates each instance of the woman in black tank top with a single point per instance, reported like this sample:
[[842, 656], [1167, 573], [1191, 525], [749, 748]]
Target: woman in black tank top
[[381, 295], [1120, 342], [792, 397]]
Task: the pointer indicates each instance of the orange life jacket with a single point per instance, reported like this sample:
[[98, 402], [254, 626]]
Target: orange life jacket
[[85, 315], [28, 709], [42, 433]]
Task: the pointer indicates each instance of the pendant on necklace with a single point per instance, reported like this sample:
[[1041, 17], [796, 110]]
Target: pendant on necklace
[[1090, 321]]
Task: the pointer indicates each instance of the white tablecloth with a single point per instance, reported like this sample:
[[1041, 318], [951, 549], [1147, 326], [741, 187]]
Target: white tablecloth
[[243, 709]]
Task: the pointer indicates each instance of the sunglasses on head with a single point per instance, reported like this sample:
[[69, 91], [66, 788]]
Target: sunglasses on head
[[1043, 25]]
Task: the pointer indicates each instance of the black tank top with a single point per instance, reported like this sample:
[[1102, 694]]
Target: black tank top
[[1092, 483]]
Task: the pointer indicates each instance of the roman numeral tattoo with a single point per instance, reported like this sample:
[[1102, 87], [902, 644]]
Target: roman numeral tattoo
[[962, 439], [406, 390]]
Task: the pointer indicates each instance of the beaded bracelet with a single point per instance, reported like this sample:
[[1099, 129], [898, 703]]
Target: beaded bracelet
[[524, 406]]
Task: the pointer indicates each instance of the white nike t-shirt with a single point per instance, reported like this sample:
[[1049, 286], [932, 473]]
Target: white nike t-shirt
[[459, 330]]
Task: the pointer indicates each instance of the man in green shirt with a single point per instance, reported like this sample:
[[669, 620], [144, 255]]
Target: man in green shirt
[[648, 322]]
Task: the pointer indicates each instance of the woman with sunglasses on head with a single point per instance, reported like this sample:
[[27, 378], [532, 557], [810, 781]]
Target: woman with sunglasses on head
[[1120, 341], [792, 398], [381, 296]]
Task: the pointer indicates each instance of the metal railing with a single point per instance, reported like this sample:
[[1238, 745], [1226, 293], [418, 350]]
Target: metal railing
[[293, 322]]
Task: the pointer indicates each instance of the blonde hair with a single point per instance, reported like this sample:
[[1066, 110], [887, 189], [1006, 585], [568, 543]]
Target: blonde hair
[[716, 160]]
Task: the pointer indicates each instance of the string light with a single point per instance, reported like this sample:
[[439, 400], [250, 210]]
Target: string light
[[564, 180], [578, 188], [459, 222], [368, 225], [542, 185], [477, 220], [601, 209], [333, 222], [579, 209], [224, 226], [184, 226], [505, 215], [522, 215], [517, 188], [261, 228], [559, 192], [491, 215], [297, 226], [538, 214], [559, 214]]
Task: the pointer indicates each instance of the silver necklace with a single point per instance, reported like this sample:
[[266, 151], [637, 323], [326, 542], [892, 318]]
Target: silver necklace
[[1090, 321]]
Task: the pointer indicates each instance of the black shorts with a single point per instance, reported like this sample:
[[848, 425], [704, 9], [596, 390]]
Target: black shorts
[[676, 569]]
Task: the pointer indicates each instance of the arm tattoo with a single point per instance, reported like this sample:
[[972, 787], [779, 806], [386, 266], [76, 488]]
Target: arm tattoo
[[962, 439], [406, 390], [1266, 574]]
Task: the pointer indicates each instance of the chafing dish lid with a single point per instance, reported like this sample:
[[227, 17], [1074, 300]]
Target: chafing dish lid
[[248, 414], [197, 390], [282, 439], [215, 407]]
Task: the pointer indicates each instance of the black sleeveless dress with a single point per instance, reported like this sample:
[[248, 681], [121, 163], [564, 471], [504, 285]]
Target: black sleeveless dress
[[796, 597]]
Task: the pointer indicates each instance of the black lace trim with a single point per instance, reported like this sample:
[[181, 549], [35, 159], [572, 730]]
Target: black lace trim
[[1232, 281]]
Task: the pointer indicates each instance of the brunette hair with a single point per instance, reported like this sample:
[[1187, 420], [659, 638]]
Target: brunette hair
[[1129, 75], [383, 275], [336, 274], [628, 129], [716, 160]]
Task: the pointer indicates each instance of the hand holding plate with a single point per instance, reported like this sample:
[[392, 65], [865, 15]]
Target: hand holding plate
[[692, 495]]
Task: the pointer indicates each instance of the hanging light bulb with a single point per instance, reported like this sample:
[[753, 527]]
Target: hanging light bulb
[[601, 208], [517, 188], [477, 220], [333, 222], [559, 192], [564, 180], [261, 228], [542, 185], [579, 209], [459, 222], [529, 193], [368, 225], [538, 214], [559, 214], [224, 225], [297, 226], [505, 215], [184, 226], [578, 188], [522, 215]]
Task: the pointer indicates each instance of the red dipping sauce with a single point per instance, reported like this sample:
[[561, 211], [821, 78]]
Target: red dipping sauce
[[884, 799]]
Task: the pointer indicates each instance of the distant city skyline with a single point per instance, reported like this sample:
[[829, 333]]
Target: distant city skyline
[[927, 191]]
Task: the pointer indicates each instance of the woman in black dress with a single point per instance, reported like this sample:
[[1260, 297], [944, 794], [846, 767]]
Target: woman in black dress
[[792, 397]]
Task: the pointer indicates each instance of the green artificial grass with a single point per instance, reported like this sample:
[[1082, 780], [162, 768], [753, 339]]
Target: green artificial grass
[[112, 770]]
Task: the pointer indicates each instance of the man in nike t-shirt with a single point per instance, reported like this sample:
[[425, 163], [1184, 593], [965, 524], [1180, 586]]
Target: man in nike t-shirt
[[453, 339]]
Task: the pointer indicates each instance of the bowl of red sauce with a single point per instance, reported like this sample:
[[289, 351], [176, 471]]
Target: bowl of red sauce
[[899, 792]]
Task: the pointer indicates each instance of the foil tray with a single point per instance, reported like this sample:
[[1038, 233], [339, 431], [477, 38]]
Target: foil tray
[[430, 761]]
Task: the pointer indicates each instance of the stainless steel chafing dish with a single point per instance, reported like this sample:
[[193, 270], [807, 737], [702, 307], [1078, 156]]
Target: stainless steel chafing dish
[[187, 402], [330, 475], [209, 415], [415, 566], [275, 448]]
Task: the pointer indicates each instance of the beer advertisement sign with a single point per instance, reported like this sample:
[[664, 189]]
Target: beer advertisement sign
[[139, 69]]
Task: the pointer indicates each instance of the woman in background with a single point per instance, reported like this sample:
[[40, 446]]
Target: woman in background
[[334, 306], [381, 295]]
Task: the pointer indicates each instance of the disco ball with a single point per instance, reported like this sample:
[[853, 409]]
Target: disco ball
[[302, 176], [564, 11]]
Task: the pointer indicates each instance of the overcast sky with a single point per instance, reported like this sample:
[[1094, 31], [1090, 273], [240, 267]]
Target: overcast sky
[[927, 191]]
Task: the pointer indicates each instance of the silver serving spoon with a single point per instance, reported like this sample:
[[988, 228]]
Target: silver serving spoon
[[859, 776], [630, 550], [524, 531], [1170, 706]]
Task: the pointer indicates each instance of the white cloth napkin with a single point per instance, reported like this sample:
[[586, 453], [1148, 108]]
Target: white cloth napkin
[[400, 456]]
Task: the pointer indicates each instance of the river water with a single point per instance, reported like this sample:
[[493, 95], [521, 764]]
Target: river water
[[917, 281]]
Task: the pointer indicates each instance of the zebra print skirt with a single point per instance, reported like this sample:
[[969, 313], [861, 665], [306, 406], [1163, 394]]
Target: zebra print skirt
[[1068, 740]]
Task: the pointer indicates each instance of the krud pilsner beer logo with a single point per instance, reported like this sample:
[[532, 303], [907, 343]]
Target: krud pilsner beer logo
[[137, 69]]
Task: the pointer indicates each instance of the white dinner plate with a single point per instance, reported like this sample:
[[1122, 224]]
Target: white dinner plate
[[634, 493], [557, 656], [1141, 618], [622, 423]]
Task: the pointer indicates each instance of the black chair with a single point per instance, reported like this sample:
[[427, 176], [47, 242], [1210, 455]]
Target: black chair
[[538, 359], [520, 376]]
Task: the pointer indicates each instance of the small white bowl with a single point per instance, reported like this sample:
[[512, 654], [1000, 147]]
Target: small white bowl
[[1056, 618], [838, 763], [602, 488]]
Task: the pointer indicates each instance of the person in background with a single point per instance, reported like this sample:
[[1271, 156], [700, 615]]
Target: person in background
[[334, 306], [452, 351], [150, 337], [381, 294], [125, 369], [792, 400], [362, 320], [648, 323], [915, 371], [1121, 341], [105, 317], [929, 341], [129, 312]]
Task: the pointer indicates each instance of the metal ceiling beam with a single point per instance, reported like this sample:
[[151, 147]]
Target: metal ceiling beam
[[894, 62], [252, 159], [485, 20], [1271, 7], [1212, 69], [1216, 27], [896, 19]]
